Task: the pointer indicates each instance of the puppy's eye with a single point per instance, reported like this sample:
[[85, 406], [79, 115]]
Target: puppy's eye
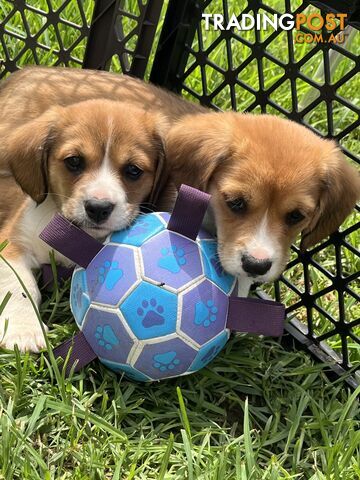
[[238, 205], [294, 217], [133, 172], [75, 164]]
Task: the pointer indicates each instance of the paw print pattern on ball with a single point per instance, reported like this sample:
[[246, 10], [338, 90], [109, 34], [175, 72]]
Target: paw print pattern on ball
[[165, 361], [172, 259], [167, 358], [106, 337], [151, 312], [109, 274], [209, 351], [205, 313], [213, 268], [145, 227]]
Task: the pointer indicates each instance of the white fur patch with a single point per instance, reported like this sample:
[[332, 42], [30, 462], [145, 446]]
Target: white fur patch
[[33, 221], [19, 318], [262, 246], [19, 324]]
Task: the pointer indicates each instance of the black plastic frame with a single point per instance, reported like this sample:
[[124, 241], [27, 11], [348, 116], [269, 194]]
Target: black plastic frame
[[105, 35], [32, 41], [103, 42]]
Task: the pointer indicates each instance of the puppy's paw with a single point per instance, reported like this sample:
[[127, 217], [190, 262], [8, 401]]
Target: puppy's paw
[[27, 336]]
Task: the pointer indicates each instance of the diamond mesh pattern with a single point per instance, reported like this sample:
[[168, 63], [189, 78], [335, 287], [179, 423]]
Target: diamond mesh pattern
[[55, 34], [131, 20], [314, 84], [101, 34]]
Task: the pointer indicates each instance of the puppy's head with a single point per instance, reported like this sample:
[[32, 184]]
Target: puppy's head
[[270, 180], [98, 159]]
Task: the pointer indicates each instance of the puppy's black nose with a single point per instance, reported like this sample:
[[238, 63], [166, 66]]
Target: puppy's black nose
[[254, 266], [98, 210]]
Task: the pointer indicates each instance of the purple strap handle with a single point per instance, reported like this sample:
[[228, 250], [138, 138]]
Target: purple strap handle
[[260, 317], [189, 211], [70, 240], [252, 315], [63, 273], [81, 354]]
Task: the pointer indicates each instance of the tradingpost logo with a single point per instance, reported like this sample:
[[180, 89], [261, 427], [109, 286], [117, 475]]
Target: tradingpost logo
[[314, 22]]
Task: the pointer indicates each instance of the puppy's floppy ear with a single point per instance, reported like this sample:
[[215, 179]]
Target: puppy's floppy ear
[[26, 149], [158, 127], [339, 191], [195, 147]]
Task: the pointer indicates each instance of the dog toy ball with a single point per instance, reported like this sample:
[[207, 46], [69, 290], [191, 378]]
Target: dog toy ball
[[153, 302]]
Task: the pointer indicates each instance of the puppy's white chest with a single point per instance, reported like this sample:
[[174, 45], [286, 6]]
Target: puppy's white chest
[[33, 222]]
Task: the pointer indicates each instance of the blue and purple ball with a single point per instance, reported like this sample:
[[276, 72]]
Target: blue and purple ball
[[153, 304]]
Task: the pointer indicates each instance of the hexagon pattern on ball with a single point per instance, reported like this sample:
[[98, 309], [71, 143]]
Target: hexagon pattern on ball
[[169, 358], [111, 274], [171, 259], [150, 311], [145, 227], [106, 333], [126, 369], [212, 266], [158, 305], [79, 297], [204, 312], [209, 351]]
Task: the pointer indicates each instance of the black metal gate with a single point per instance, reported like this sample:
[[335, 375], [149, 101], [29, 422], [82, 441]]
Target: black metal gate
[[252, 71]]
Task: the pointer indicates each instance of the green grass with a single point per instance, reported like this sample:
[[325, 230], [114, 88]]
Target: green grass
[[257, 412]]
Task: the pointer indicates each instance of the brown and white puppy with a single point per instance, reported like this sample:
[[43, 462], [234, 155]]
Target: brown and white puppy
[[95, 162], [270, 180], [49, 115]]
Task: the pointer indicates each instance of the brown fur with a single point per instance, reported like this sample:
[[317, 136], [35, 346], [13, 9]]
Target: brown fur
[[43, 87], [40, 146], [276, 165]]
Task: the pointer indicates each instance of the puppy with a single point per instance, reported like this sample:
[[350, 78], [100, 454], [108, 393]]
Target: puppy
[[270, 180], [95, 162]]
